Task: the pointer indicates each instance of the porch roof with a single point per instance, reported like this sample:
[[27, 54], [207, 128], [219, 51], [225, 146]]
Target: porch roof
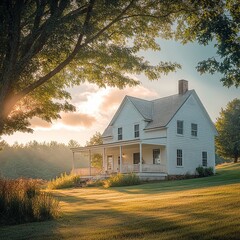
[[120, 143]]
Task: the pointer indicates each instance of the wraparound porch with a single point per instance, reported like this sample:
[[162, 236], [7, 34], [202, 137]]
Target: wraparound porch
[[123, 157]]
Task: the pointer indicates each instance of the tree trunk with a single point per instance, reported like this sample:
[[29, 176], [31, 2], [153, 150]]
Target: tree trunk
[[235, 159], [1, 126]]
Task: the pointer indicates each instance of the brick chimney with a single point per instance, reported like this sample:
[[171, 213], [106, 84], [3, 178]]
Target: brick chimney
[[182, 86]]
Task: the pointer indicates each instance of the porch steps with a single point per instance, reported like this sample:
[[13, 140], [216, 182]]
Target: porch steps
[[152, 176]]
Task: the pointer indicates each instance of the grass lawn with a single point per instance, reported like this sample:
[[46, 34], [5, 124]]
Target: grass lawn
[[206, 208]]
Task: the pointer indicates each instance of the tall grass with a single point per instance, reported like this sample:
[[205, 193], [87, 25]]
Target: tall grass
[[65, 181], [121, 180], [22, 201]]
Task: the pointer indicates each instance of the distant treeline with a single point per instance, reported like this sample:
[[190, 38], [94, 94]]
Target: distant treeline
[[40, 160], [35, 160]]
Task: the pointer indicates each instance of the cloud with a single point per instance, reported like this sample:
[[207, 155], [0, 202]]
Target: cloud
[[81, 93], [113, 98], [39, 123], [77, 119]]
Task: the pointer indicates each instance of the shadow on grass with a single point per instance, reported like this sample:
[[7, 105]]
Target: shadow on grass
[[87, 216], [111, 222], [27, 231], [225, 176]]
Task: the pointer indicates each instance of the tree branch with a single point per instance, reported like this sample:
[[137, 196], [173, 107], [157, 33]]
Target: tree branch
[[13, 24], [28, 41], [77, 48], [42, 80], [39, 38]]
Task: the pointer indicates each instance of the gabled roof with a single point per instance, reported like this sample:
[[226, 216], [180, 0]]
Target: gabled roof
[[158, 112], [165, 108], [144, 107]]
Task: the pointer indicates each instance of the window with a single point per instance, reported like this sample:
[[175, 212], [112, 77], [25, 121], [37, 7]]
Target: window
[[120, 133], [179, 157], [156, 156], [180, 127], [204, 159], [194, 129], [136, 130], [136, 158]]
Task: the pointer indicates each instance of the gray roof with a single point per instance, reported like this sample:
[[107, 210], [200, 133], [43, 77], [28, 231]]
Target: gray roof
[[158, 112], [143, 106], [165, 108]]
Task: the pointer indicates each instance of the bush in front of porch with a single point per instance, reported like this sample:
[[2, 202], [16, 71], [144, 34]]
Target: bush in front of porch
[[120, 180], [64, 181]]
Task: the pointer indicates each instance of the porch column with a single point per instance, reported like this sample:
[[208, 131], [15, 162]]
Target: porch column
[[140, 151], [120, 148], [73, 167], [90, 162], [103, 159]]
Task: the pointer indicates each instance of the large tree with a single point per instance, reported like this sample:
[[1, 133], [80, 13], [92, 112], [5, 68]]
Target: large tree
[[49, 45], [228, 127]]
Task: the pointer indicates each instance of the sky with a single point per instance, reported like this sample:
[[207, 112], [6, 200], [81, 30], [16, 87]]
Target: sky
[[96, 106]]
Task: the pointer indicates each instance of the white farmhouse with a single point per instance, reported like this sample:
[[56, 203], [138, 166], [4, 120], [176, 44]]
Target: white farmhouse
[[163, 137]]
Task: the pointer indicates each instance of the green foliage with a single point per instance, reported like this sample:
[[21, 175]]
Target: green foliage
[[97, 159], [204, 172], [120, 180], [227, 124], [220, 160], [3, 144], [73, 144], [94, 183], [64, 181], [35, 160], [22, 201], [96, 139], [56, 44], [215, 22]]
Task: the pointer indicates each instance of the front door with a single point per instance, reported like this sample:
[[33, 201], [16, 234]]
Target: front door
[[156, 156], [136, 158], [110, 163]]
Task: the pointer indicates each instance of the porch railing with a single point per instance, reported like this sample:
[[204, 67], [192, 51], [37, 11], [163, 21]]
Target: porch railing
[[87, 171], [154, 168], [128, 168]]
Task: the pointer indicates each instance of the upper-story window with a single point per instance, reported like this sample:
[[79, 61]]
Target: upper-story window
[[179, 157], [120, 133], [136, 131], [194, 129], [180, 127], [204, 159]]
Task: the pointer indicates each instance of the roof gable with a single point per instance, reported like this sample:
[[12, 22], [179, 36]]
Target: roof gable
[[143, 107], [205, 112]]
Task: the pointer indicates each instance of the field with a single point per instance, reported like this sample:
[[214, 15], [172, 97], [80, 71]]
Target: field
[[206, 208]]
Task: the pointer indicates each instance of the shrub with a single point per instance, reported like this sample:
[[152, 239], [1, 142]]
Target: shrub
[[94, 183], [65, 181], [209, 171], [121, 180], [204, 172], [22, 201]]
